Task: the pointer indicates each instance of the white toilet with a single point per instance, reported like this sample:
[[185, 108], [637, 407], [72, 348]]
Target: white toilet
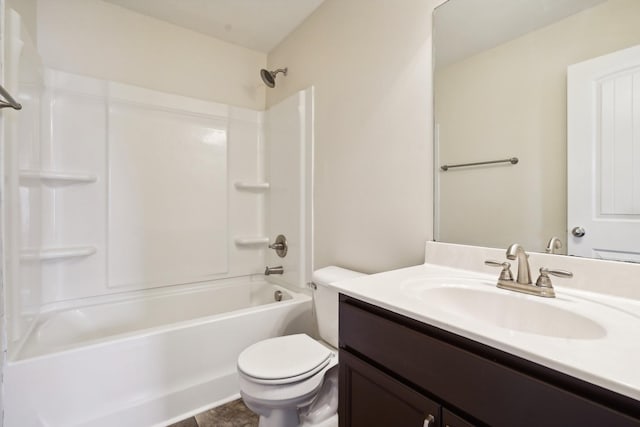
[[292, 381]]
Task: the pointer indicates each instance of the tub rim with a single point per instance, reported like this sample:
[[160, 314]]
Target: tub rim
[[17, 358]]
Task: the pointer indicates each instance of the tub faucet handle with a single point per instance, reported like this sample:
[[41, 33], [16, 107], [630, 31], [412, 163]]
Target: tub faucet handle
[[280, 246]]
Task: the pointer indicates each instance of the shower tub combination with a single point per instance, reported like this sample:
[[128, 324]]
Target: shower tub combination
[[147, 360], [137, 224]]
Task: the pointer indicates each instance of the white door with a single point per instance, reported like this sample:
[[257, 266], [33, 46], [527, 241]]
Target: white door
[[603, 156]]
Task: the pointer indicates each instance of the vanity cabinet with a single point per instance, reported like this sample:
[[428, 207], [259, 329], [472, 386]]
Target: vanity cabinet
[[398, 372]]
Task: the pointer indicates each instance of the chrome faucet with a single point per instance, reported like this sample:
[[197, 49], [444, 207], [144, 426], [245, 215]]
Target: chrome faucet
[[516, 251], [273, 270]]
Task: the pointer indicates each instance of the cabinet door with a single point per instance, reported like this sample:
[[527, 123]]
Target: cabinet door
[[371, 398]]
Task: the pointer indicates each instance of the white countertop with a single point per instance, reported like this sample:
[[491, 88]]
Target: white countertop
[[610, 359]]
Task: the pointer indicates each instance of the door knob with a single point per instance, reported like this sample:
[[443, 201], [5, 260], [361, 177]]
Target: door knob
[[578, 231]]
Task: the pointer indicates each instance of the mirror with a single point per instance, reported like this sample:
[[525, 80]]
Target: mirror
[[501, 73]]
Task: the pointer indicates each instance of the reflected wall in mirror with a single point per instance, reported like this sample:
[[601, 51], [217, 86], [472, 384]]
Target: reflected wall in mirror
[[500, 91]]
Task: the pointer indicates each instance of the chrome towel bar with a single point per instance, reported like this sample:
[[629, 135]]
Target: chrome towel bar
[[512, 160], [10, 102]]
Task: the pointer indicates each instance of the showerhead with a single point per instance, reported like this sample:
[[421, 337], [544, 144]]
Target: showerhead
[[269, 77]]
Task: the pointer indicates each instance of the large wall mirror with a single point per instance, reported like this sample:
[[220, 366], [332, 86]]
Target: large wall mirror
[[556, 85]]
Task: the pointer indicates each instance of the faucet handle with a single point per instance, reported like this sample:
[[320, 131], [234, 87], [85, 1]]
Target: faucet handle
[[544, 281], [280, 246], [505, 274]]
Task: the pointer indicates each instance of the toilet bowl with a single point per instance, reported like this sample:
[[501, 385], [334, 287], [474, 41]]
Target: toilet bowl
[[292, 381]]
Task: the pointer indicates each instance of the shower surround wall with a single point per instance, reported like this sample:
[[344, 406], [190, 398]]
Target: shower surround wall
[[133, 189], [291, 201], [120, 197]]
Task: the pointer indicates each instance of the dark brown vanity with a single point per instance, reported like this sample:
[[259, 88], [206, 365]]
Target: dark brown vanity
[[399, 372]]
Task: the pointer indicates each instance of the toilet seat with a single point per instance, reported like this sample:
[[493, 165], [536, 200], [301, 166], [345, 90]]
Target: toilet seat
[[284, 360]]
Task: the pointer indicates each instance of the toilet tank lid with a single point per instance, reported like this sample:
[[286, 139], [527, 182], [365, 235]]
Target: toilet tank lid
[[331, 274]]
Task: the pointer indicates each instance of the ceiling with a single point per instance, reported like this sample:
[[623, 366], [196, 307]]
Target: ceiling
[[465, 27], [256, 24]]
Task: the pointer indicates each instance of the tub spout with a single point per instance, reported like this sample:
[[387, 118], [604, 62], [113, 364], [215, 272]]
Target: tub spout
[[273, 270]]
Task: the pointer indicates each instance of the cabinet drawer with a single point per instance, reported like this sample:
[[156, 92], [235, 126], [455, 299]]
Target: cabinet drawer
[[371, 398], [495, 394]]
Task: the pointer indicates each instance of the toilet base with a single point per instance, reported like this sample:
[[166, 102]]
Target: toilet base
[[290, 418], [280, 418], [318, 408], [282, 415], [330, 422]]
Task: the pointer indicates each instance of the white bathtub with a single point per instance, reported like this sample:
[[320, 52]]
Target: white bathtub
[[146, 360]]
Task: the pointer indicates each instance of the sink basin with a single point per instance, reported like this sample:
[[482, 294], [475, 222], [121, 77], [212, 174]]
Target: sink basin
[[482, 302]]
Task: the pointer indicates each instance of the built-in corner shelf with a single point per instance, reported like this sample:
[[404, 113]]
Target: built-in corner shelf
[[252, 241], [57, 253], [51, 178], [252, 186]]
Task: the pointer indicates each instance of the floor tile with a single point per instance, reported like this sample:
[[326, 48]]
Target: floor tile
[[189, 422], [233, 414]]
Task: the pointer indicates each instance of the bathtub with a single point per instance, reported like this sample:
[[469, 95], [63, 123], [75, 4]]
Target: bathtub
[[145, 359]]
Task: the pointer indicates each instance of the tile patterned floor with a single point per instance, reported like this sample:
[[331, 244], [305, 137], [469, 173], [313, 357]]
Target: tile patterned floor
[[232, 414]]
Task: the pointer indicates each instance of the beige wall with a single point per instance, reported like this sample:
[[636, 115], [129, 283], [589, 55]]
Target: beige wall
[[511, 101], [370, 63], [106, 41]]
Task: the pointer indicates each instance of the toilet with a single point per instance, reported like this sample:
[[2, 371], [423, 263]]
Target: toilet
[[292, 380]]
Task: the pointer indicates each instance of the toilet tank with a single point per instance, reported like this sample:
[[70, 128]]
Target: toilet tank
[[325, 300]]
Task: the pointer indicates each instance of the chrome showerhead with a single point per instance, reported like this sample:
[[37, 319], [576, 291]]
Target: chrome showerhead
[[269, 77]]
